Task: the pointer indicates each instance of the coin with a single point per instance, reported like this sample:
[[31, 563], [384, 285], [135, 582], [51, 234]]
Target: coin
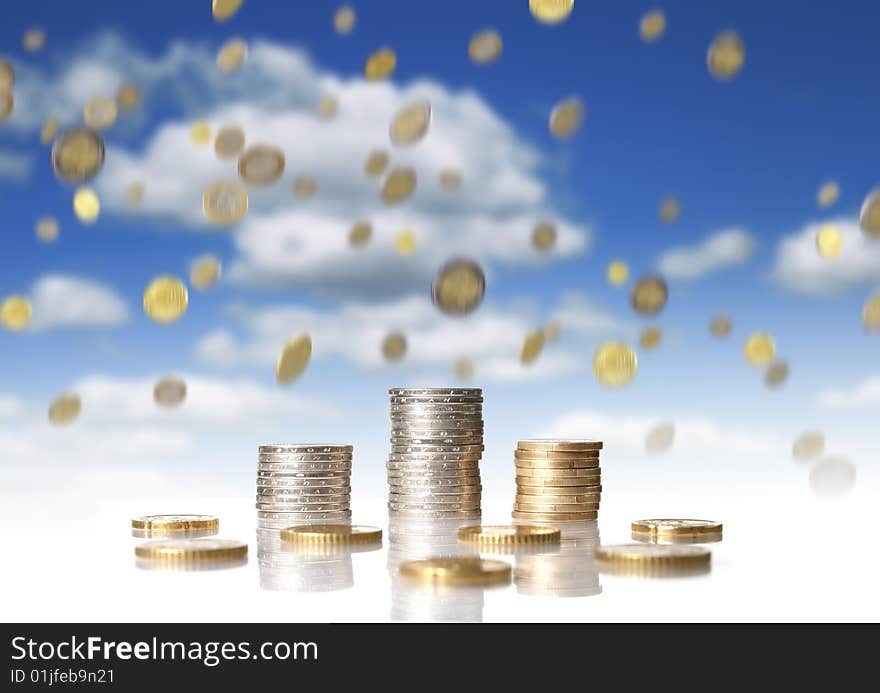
[[100, 112], [428, 476], [436, 408], [554, 516], [869, 215], [652, 25], [77, 155], [485, 47], [344, 20], [777, 374], [565, 508], [677, 527], [669, 210], [721, 326], [231, 55], [459, 287], [425, 438], [544, 236], [312, 484], [832, 476], [47, 229], [376, 163], [871, 313], [410, 124], [293, 359], [229, 142], [615, 364], [618, 273], [332, 534], [308, 496], [282, 505], [828, 193], [561, 499], [552, 331], [532, 347], [175, 523], [7, 103], [457, 571], [418, 505], [165, 299], [128, 96], [430, 392], [551, 446], [650, 338], [829, 241], [225, 202], [7, 75], [566, 118], [551, 11], [328, 107], [586, 463], [431, 449], [304, 186], [360, 234], [439, 494], [550, 474], [419, 400], [380, 64], [187, 550], [394, 347], [284, 473], [654, 555], [808, 446], [649, 295], [307, 448], [86, 205], [169, 392], [15, 313], [262, 164], [49, 130], [292, 518], [205, 272], [135, 193], [509, 535], [65, 409], [398, 185], [200, 133], [760, 349], [558, 492], [726, 55], [660, 438], [34, 39], [405, 243], [419, 416], [224, 9], [435, 514]]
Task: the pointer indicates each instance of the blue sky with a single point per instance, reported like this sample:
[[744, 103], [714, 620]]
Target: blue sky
[[748, 154]]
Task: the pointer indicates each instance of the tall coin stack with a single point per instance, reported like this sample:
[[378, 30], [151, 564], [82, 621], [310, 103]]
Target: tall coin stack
[[303, 483], [557, 480], [436, 446]]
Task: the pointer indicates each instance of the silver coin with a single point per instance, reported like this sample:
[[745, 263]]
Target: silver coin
[[306, 448], [475, 426], [275, 495], [434, 391], [291, 475], [304, 467], [430, 409], [417, 466], [436, 514], [304, 484], [301, 509], [432, 506], [271, 517], [290, 457], [437, 440], [411, 401], [405, 475], [433, 483], [429, 449], [442, 490], [436, 415], [430, 498]]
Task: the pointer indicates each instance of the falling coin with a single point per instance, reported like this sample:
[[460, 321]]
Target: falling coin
[[7, 103], [726, 55], [777, 374], [463, 368], [669, 210], [262, 164], [652, 26], [649, 295], [86, 205], [376, 163], [65, 409], [34, 39], [871, 313], [200, 133], [660, 438], [450, 179], [328, 107], [231, 55], [832, 476], [760, 349], [398, 186], [7, 75], [128, 96], [360, 234], [828, 193], [485, 47], [205, 272], [49, 130], [544, 236], [552, 331], [293, 359], [77, 155], [566, 118], [15, 313], [829, 242], [380, 64], [869, 216], [808, 446], [225, 202], [47, 229], [551, 11], [618, 273], [344, 20], [135, 193], [410, 124], [229, 142], [405, 243], [304, 186], [100, 112], [459, 287], [165, 299], [532, 347], [615, 364], [650, 338], [224, 9], [721, 326], [394, 347], [169, 392]]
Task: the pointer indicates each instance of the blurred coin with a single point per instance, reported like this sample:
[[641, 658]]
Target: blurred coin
[[65, 409], [828, 193], [677, 527], [871, 313], [552, 446], [669, 210], [405, 243], [450, 179], [776, 374], [721, 326], [402, 515], [726, 55], [458, 287], [224, 9], [380, 64], [100, 112], [532, 463], [306, 484], [293, 359], [410, 124], [544, 236], [7, 103], [554, 516], [262, 164], [49, 130], [304, 186], [159, 524], [169, 392], [229, 142], [200, 133], [650, 338], [360, 234], [525, 487], [829, 241], [231, 55], [457, 571], [552, 331], [654, 555], [808, 446], [463, 368], [529, 480], [77, 155], [394, 347], [649, 295], [34, 39], [485, 47], [165, 299], [532, 347], [660, 438], [376, 162], [7, 75], [337, 535], [307, 449], [15, 313], [566, 118], [128, 96], [225, 202], [541, 507], [832, 476], [86, 205], [293, 518], [344, 20], [760, 349], [869, 216], [551, 11], [560, 499], [615, 364], [652, 25], [47, 229], [191, 550], [204, 273], [509, 535], [135, 193], [398, 185], [618, 273], [327, 108]]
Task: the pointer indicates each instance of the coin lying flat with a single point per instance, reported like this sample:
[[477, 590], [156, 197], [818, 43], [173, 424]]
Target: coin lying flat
[[459, 287], [128, 96], [376, 163], [871, 313], [225, 202], [224, 10], [165, 299], [829, 242], [307, 449], [360, 234], [652, 26], [47, 229], [618, 273], [65, 409], [544, 236], [77, 155], [49, 129], [660, 438], [586, 463], [669, 210], [229, 142], [293, 359], [615, 364], [394, 347], [175, 523], [554, 516], [332, 534], [86, 205], [808, 446], [398, 186], [649, 295], [290, 518], [485, 47], [15, 313], [726, 56], [205, 272], [721, 326], [760, 349], [677, 527], [169, 392], [776, 374], [457, 571], [100, 112], [410, 124], [509, 535], [231, 55], [187, 550], [551, 11], [380, 64], [828, 193], [262, 164], [562, 445], [344, 20], [550, 480], [654, 555], [523, 489], [532, 347], [566, 118], [650, 338], [869, 215]]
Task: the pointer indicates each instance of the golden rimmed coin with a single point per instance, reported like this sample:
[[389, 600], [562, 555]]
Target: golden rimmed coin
[[555, 463], [231, 55], [551, 11], [65, 409], [294, 358], [617, 273], [169, 392], [463, 368], [829, 241], [165, 299], [869, 215], [485, 47], [192, 550], [7, 103], [86, 205], [615, 364], [650, 338], [660, 438], [398, 185], [776, 374], [532, 346], [649, 295], [332, 534], [200, 133], [262, 164], [669, 209], [222, 10], [229, 142], [544, 236], [394, 347], [552, 331], [7, 75], [554, 516], [554, 445], [509, 535], [652, 25], [457, 571], [15, 313], [49, 130], [225, 202], [360, 234], [128, 96], [380, 64], [450, 179], [134, 194], [567, 117], [327, 107], [654, 555], [410, 124], [77, 155], [459, 287], [47, 229], [542, 506], [828, 193], [160, 524], [726, 55], [677, 527], [760, 349], [34, 39], [344, 20], [808, 446], [205, 272], [376, 163], [100, 112], [871, 313], [405, 243], [721, 326], [305, 186]]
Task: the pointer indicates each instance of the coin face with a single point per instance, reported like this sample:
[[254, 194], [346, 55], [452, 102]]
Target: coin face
[[394, 347], [399, 185], [617, 273], [566, 118], [328, 107], [726, 56], [225, 202], [100, 112], [224, 9], [652, 25], [128, 96], [47, 229], [459, 287], [405, 243], [169, 392], [450, 179], [463, 368], [262, 164], [649, 295], [760, 349], [134, 194], [551, 11], [410, 124], [485, 47], [34, 39], [231, 55], [544, 236], [49, 130], [615, 364], [376, 163], [832, 476], [552, 331], [344, 20], [532, 347], [200, 133], [77, 155], [869, 216], [871, 313], [829, 241], [721, 326], [7, 75], [165, 299], [229, 142], [360, 234], [15, 313], [65, 409], [650, 338], [294, 358], [7, 103], [776, 374], [205, 272], [380, 64], [86, 205], [828, 193], [808, 446], [669, 209], [659, 439], [304, 186]]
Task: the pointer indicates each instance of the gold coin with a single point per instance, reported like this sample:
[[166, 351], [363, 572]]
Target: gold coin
[[15, 313], [34, 39], [563, 455], [7, 75], [760, 349], [169, 392], [459, 287], [165, 299], [224, 9], [554, 463], [808, 446], [485, 47], [654, 555], [204, 272], [618, 273], [615, 364], [360, 234], [200, 133], [544, 236], [65, 409], [100, 112], [399, 184], [650, 338], [77, 155], [86, 205], [542, 507], [405, 243], [829, 242], [721, 326], [231, 55], [225, 202], [128, 96], [509, 535], [566, 118], [175, 523], [191, 550], [777, 374], [554, 516], [344, 20], [463, 368], [869, 216], [726, 55], [450, 179], [677, 527], [50, 129], [410, 124], [590, 493], [578, 476], [332, 534], [532, 347], [669, 210], [649, 295], [652, 26], [551, 11], [394, 347], [660, 438], [828, 193], [47, 229], [457, 571], [328, 107], [552, 331], [380, 64], [376, 163], [294, 358], [229, 142], [135, 193], [871, 313], [7, 103], [304, 186], [551, 446], [262, 164]]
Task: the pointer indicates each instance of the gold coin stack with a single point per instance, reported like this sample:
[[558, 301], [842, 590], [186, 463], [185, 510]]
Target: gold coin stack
[[568, 571], [557, 480]]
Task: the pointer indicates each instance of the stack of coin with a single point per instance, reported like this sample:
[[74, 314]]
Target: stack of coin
[[303, 483], [436, 446], [557, 480], [677, 531], [566, 571]]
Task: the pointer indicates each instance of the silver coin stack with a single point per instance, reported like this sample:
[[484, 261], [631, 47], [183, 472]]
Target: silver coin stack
[[299, 484], [436, 445]]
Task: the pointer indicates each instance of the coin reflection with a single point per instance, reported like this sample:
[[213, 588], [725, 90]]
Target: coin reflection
[[188, 566], [647, 538], [172, 534], [566, 570]]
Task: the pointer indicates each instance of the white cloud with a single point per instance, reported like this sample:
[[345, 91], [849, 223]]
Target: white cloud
[[64, 301], [801, 269], [719, 251], [15, 166], [10, 407], [865, 395]]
